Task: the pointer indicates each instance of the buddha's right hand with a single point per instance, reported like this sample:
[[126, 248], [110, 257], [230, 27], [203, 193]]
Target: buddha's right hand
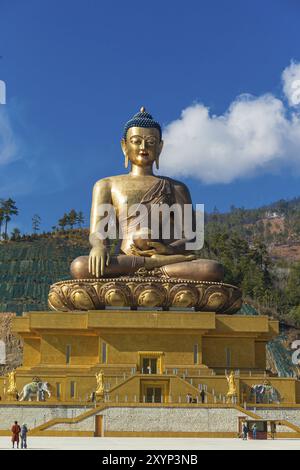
[[99, 258]]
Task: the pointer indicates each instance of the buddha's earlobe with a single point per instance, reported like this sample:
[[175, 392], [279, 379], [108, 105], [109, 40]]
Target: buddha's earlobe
[[157, 163], [126, 161], [123, 145]]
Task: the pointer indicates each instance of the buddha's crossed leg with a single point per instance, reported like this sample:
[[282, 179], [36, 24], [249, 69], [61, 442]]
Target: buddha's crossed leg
[[173, 266]]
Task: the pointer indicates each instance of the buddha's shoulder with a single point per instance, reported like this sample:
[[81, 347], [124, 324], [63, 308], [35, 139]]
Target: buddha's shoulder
[[175, 183], [110, 180]]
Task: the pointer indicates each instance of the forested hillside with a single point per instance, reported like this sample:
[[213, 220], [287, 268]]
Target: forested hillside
[[260, 249], [28, 268], [276, 223]]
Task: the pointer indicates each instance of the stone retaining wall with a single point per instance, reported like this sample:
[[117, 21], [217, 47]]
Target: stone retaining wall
[[160, 420], [141, 419], [35, 415], [290, 414]]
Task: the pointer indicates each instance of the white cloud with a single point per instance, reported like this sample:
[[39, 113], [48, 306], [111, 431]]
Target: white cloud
[[255, 135], [8, 146], [291, 83]]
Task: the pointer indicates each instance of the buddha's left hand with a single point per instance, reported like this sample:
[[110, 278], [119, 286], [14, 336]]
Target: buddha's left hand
[[155, 248]]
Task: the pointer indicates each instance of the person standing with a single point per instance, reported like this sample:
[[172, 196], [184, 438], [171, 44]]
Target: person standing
[[254, 431], [15, 434], [245, 431], [273, 429], [202, 395], [23, 434], [189, 398]]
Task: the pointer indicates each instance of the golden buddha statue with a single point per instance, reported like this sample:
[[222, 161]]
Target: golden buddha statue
[[11, 392], [100, 385], [151, 267], [12, 386], [141, 144], [232, 388]]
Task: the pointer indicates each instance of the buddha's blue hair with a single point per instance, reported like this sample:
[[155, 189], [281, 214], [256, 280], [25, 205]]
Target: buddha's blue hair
[[142, 119]]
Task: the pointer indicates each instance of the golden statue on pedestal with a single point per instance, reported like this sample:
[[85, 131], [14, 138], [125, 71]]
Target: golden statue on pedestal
[[176, 277], [100, 386], [232, 389], [12, 391]]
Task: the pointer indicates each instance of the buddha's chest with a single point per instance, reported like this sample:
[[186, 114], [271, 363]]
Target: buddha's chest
[[132, 190]]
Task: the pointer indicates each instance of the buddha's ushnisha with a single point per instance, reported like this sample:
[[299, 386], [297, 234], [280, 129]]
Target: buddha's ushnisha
[[141, 145]]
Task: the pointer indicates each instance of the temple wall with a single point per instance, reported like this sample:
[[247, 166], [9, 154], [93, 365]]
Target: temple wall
[[161, 420], [83, 349], [297, 385], [260, 354], [290, 414], [228, 353], [185, 419], [34, 415], [172, 420], [32, 351], [178, 348]]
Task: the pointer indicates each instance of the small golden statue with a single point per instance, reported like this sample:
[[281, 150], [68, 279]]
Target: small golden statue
[[100, 386], [232, 391], [12, 386]]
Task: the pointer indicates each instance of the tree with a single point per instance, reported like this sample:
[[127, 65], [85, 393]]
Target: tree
[[15, 234], [293, 285], [80, 218], [63, 222], [72, 218], [294, 315], [36, 222], [9, 209], [1, 216]]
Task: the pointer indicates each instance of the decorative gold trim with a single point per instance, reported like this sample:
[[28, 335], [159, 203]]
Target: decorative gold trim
[[147, 292]]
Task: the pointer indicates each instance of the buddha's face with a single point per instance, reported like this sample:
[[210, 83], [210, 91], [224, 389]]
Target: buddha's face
[[142, 146]]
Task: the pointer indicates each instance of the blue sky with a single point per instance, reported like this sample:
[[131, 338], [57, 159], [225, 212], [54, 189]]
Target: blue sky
[[76, 71]]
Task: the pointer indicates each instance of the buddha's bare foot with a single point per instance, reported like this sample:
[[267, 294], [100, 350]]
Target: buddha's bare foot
[[155, 248], [155, 261]]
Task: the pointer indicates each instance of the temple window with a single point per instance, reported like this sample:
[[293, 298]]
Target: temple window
[[72, 389], [104, 353], [151, 362], [195, 353], [68, 353]]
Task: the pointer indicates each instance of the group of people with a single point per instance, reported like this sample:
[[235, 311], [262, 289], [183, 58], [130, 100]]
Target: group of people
[[17, 433], [191, 399], [245, 430]]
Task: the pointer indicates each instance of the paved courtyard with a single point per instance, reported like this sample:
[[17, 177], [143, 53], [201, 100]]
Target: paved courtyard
[[82, 443]]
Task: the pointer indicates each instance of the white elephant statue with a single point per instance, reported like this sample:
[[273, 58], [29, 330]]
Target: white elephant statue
[[37, 389]]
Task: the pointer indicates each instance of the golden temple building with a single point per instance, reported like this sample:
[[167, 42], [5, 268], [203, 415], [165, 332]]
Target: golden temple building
[[147, 355]]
